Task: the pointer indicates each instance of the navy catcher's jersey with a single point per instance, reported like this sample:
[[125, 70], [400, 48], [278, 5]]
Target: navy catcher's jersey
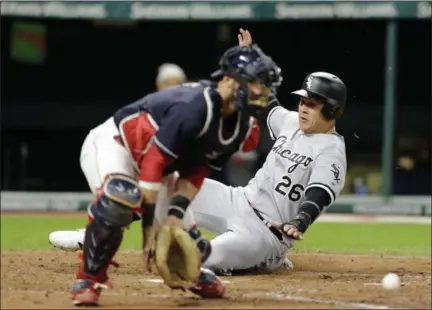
[[188, 127]]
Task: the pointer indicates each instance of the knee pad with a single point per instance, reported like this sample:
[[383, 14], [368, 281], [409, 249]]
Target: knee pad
[[118, 203]]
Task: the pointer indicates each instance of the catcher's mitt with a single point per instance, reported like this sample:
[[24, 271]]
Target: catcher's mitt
[[176, 257]]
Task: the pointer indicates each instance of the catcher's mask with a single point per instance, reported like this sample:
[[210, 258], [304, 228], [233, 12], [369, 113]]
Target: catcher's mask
[[256, 72]]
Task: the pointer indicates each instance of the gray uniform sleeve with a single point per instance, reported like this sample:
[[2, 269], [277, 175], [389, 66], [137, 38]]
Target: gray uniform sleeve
[[328, 173], [279, 118]]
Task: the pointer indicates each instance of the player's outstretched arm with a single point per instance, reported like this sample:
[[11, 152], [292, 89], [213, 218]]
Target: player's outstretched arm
[[179, 129], [278, 117], [149, 228], [244, 37], [315, 202], [326, 182], [274, 113], [186, 189]]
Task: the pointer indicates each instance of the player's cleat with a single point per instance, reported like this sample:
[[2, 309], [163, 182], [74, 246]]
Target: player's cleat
[[67, 240], [223, 272], [209, 285], [86, 292], [87, 289], [288, 264]]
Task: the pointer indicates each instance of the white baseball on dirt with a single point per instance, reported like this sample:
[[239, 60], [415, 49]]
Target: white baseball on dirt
[[391, 281]]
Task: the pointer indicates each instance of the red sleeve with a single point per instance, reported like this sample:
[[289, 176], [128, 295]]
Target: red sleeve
[[151, 168], [252, 138], [198, 177]]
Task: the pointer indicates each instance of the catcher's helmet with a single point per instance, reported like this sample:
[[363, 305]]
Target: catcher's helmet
[[249, 64], [326, 88]]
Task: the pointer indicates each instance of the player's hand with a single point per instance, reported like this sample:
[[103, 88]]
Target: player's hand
[[292, 231], [289, 229], [149, 234], [244, 37], [147, 257]]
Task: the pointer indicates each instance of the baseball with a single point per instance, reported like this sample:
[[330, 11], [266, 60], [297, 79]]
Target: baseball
[[391, 281]]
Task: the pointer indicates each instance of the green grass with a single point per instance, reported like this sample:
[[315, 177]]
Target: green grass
[[26, 232], [368, 238]]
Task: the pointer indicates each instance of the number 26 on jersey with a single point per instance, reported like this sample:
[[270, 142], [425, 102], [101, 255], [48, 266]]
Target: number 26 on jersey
[[293, 192]]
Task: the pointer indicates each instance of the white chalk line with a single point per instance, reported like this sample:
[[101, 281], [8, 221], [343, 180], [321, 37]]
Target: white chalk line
[[380, 284], [345, 304], [356, 274], [161, 281], [277, 296], [106, 292], [372, 284]]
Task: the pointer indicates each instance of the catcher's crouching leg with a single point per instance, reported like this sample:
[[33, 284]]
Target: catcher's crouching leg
[[112, 212], [209, 285]]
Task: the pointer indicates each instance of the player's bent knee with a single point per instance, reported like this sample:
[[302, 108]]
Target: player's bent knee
[[120, 199]]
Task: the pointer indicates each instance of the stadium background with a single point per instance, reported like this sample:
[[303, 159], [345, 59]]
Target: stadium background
[[72, 74]]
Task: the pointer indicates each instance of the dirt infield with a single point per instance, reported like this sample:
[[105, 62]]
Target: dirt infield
[[42, 279]]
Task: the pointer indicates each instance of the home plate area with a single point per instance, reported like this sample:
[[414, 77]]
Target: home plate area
[[42, 279]]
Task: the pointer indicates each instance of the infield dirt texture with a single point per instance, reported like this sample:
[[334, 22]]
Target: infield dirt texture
[[42, 279]]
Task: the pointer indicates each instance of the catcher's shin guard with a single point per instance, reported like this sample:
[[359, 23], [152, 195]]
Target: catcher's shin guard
[[100, 245], [113, 210], [203, 245]]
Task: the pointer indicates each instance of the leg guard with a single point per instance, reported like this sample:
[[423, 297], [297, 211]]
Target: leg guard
[[100, 245], [112, 212]]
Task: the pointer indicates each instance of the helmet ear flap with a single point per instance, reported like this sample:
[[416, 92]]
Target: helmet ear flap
[[328, 111], [331, 111]]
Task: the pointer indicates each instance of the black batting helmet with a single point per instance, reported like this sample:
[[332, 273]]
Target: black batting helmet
[[327, 88]]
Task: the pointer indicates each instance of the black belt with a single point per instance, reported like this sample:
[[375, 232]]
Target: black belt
[[274, 231]]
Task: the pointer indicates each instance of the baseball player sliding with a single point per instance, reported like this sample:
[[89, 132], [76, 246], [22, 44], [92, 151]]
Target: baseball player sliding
[[301, 177], [189, 129]]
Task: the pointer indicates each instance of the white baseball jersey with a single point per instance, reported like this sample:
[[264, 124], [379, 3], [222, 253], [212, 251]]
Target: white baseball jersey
[[296, 162]]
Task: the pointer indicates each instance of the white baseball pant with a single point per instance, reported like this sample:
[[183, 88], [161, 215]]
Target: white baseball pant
[[101, 156], [243, 241]]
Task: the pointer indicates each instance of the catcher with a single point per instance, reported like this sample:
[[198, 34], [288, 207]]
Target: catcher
[[191, 129]]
